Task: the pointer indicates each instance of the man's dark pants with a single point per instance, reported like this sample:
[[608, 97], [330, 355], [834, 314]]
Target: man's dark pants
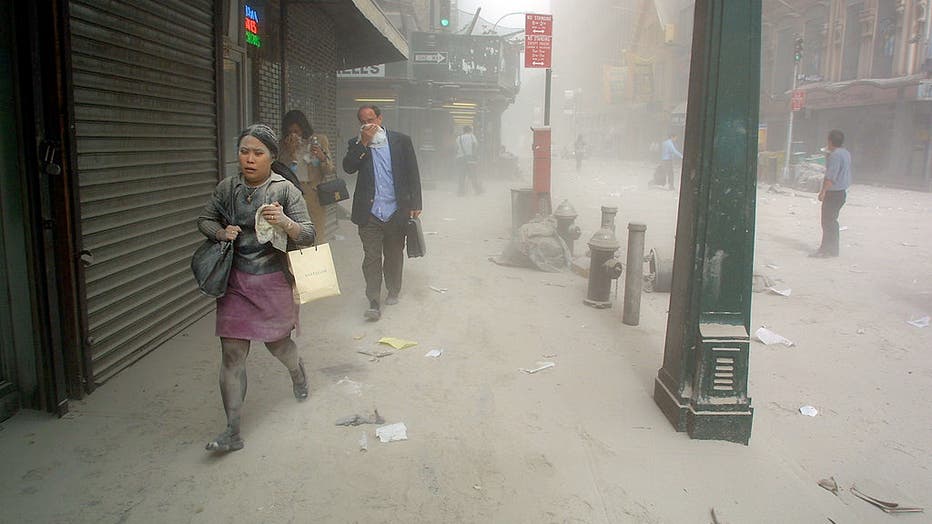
[[382, 239], [831, 205]]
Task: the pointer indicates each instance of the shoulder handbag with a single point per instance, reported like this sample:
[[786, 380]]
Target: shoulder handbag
[[332, 191], [213, 260]]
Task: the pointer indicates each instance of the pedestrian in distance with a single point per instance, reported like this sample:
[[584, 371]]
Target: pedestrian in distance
[[388, 192], [259, 302], [580, 150], [308, 155], [664, 173], [467, 161], [834, 193]]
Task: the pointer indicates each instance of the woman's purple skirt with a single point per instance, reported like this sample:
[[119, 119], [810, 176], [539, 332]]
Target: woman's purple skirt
[[257, 307]]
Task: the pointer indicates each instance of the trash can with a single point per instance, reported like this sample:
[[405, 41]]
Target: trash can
[[522, 207]]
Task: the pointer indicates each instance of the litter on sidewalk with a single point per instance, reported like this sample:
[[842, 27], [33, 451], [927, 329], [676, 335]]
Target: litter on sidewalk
[[440, 290], [435, 353], [356, 420], [920, 322], [830, 485], [397, 343], [363, 442], [376, 354], [769, 338], [540, 367], [782, 292], [392, 432], [809, 411], [887, 507]]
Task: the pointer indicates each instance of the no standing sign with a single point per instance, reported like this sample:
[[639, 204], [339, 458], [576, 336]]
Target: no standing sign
[[538, 40]]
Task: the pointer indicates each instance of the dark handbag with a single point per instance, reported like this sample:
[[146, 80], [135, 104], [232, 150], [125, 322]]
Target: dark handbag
[[332, 191], [414, 238], [213, 260], [211, 265]]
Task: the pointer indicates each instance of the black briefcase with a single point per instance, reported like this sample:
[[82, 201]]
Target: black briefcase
[[414, 238], [332, 191]]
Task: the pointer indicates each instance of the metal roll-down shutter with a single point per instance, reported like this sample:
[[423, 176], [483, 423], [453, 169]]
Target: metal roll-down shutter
[[146, 129]]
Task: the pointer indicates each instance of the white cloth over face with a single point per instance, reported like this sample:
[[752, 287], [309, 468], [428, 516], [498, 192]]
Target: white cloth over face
[[266, 232]]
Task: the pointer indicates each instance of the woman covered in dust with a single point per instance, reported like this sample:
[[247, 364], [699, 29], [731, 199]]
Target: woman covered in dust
[[309, 156], [259, 302]]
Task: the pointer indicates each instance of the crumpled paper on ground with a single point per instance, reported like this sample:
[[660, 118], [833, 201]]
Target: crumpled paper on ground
[[397, 343], [769, 337], [266, 232], [392, 432]]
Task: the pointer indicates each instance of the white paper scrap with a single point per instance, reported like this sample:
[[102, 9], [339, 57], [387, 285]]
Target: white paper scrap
[[541, 366], [773, 266], [782, 292], [769, 337], [438, 289], [392, 432], [434, 353], [809, 411], [920, 322]]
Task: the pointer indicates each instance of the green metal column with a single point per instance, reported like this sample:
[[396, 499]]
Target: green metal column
[[702, 386]]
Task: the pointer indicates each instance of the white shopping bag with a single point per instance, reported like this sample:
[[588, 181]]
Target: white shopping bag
[[314, 273]]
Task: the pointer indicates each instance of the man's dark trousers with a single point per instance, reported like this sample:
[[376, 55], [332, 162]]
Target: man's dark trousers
[[831, 205], [382, 239]]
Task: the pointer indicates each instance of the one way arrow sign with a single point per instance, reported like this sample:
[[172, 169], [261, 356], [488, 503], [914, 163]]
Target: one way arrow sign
[[436, 57]]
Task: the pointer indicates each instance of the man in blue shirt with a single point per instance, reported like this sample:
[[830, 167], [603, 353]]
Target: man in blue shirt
[[387, 194], [834, 192], [668, 151]]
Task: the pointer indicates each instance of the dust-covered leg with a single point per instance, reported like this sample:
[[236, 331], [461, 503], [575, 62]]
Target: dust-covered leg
[[232, 391], [286, 351]]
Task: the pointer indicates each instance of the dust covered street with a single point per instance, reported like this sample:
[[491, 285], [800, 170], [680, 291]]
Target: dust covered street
[[582, 441]]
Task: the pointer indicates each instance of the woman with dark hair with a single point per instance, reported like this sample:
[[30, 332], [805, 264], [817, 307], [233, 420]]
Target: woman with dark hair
[[259, 302], [308, 155]]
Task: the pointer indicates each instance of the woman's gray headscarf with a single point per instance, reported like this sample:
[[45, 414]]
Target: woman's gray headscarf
[[265, 134]]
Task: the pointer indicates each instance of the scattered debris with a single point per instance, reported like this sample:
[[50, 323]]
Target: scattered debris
[[843, 228], [477, 487], [887, 507], [769, 338], [440, 290], [351, 386], [356, 420], [772, 266], [762, 282], [397, 343], [809, 411], [715, 517], [554, 284], [856, 270], [830, 485], [541, 366], [920, 322], [363, 442], [429, 233], [392, 432], [436, 353], [909, 244], [449, 220], [552, 355], [861, 331], [377, 354], [359, 337], [782, 292]]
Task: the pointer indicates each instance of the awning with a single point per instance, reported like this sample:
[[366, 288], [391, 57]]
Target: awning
[[365, 35]]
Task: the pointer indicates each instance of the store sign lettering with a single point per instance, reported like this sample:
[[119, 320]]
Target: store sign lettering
[[251, 22]]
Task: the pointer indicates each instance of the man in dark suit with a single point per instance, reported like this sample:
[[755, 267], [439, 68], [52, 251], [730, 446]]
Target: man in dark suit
[[388, 192]]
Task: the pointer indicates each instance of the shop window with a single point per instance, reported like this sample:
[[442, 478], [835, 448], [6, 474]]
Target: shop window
[[813, 46], [783, 62]]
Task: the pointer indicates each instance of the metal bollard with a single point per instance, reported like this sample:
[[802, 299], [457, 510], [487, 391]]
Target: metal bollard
[[603, 267], [566, 215], [634, 278]]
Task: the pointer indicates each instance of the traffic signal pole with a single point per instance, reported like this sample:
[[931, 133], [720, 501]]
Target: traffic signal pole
[[789, 126]]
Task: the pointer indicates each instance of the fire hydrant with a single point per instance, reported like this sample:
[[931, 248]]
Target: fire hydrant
[[603, 267], [569, 232]]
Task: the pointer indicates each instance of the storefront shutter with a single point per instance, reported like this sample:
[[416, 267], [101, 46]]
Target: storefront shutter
[[145, 118]]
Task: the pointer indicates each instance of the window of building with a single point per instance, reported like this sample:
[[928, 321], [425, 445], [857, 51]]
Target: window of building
[[852, 44], [884, 40], [813, 45]]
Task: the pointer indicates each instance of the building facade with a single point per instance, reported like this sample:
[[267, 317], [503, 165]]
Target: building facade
[[864, 70], [119, 119]]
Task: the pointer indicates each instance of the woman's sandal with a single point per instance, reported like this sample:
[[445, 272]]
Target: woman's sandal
[[300, 389], [226, 441]]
